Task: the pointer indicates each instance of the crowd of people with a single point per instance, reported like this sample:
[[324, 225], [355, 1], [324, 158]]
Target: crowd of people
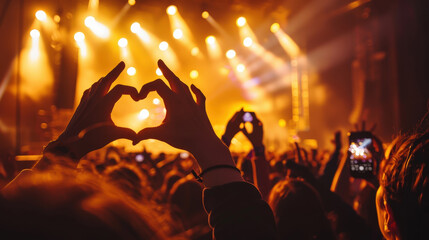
[[210, 193]]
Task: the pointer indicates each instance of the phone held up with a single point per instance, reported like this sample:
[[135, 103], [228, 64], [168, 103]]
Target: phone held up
[[247, 117], [360, 154]]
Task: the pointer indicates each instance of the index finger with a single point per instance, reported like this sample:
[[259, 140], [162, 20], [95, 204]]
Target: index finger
[[107, 81], [172, 79]]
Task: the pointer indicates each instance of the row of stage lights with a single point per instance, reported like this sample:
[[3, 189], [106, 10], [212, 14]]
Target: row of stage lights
[[103, 32]]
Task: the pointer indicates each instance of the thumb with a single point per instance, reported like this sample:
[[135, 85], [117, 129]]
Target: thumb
[[121, 132], [149, 133]]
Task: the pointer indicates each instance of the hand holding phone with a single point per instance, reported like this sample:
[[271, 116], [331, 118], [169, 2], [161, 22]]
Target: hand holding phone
[[360, 154]]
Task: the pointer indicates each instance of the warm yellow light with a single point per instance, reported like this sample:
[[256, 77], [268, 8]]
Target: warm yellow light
[[241, 21], [131, 71], [241, 68], [247, 42], [156, 101], [123, 42], [132, 2], [57, 18], [195, 51], [205, 15], [275, 27], [35, 34], [97, 28], [79, 37], [135, 27], [282, 122], [163, 46], [144, 114], [171, 10], [230, 54], [41, 16], [194, 74], [210, 40], [89, 21], [178, 34], [158, 72]]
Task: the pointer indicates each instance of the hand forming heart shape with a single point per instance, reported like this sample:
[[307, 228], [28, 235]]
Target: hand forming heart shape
[[185, 126]]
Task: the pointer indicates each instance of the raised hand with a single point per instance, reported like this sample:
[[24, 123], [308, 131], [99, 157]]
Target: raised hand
[[257, 134], [186, 125], [233, 127], [91, 126]]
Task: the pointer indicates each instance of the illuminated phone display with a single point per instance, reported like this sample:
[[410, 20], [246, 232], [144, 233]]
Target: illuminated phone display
[[360, 155]]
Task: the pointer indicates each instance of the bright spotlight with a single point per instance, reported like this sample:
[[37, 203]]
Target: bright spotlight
[[241, 68], [163, 46], [171, 10], [41, 16], [210, 40], [79, 37], [230, 54], [131, 2], [205, 15], [195, 51], [158, 72], [194, 74], [178, 34], [89, 21], [241, 21], [144, 114], [131, 71], [135, 27], [247, 42], [97, 28], [35, 34], [275, 27], [123, 42], [156, 101]]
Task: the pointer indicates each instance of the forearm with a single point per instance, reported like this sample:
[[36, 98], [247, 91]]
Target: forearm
[[261, 170]]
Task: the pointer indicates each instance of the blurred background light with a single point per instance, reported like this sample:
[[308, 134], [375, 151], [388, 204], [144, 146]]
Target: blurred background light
[[163, 46], [205, 15], [241, 21], [123, 42], [178, 34], [230, 54], [247, 42], [194, 74], [131, 71], [41, 16], [171, 10]]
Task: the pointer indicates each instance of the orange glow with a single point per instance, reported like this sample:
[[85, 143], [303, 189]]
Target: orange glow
[[41, 16], [241, 21], [171, 10], [205, 15]]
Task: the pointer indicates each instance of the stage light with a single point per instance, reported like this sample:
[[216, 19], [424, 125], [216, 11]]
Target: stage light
[[123, 42], [97, 28], [143, 114], [194, 74], [79, 37], [131, 2], [35, 34], [241, 21], [89, 21], [158, 72], [178, 34], [41, 16], [135, 27], [275, 27], [171, 10], [195, 51], [247, 42], [163, 46], [57, 18], [156, 101], [230, 54], [131, 71], [282, 122], [210, 40], [205, 15], [241, 68]]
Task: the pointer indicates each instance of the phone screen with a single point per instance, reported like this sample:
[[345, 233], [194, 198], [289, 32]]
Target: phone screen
[[139, 158], [360, 157], [247, 117]]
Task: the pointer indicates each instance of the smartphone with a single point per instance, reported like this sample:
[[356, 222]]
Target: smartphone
[[360, 154], [247, 117]]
